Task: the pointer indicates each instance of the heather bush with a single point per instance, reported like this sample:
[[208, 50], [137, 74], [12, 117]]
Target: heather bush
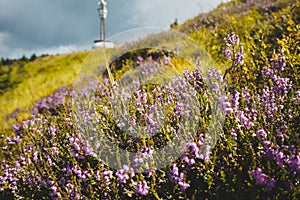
[[81, 141]]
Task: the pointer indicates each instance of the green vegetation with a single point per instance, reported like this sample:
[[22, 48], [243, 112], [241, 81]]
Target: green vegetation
[[23, 82], [39, 77], [230, 134]]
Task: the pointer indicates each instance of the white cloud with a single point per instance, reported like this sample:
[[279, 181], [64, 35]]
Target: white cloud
[[34, 26], [4, 36]]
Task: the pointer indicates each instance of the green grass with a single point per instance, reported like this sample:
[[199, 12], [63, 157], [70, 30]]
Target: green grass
[[27, 82], [38, 79]]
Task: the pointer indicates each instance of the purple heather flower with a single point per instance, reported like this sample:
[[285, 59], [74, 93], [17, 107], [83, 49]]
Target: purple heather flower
[[177, 178], [246, 95], [142, 97], [9, 141], [270, 184], [79, 172], [124, 174], [193, 148], [35, 156], [188, 160], [197, 75], [51, 163], [120, 125], [55, 150], [183, 185], [107, 176], [279, 64], [173, 173], [167, 59], [54, 189], [52, 130], [138, 160], [142, 188], [149, 120], [239, 57], [270, 152], [17, 128], [17, 140], [243, 118], [213, 74], [227, 52], [267, 143], [294, 163], [148, 151], [74, 140], [178, 108], [225, 105], [267, 72], [232, 39], [139, 60], [283, 85], [262, 179], [235, 101], [280, 159], [259, 177], [234, 134], [261, 133]]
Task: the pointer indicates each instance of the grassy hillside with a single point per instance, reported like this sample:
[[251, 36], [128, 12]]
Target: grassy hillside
[[27, 82], [216, 120], [23, 83]]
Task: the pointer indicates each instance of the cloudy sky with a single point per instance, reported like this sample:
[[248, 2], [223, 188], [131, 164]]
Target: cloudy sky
[[63, 26]]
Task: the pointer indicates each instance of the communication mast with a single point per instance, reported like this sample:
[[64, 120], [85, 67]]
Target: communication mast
[[102, 11]]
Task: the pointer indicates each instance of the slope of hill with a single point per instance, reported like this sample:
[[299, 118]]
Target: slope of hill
[[26, 82], [204, 134], [23, 83]]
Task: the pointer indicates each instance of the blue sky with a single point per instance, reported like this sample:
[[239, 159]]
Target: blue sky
[[63, 26]]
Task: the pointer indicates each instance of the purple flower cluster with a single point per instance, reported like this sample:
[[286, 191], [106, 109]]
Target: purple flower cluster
[[176, 177], [214, 75], [194, 78], [58, 98], [281, 85], [267, 72], [231, 41], [53, 161], [15, 140], [124, 174], [142, 188], [246, 95], [296, 99], [225, 105], [146, 155], [294, 162], [262, 179], [10, 176], [195, 150], [261, 133], [239, 56], [279, 64], [107, 176], [282, 158], [79, 173]]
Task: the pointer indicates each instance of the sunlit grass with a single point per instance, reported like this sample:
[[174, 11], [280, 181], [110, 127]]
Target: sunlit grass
[[44, 76]]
